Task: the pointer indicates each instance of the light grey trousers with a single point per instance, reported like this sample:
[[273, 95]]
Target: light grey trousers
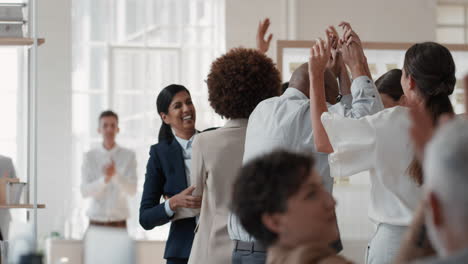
[[385, 244]]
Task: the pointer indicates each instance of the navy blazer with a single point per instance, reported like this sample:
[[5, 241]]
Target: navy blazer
[[165, 175]]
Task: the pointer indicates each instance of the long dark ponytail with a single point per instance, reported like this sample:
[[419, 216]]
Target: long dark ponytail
[[162, 104], [432, 68]]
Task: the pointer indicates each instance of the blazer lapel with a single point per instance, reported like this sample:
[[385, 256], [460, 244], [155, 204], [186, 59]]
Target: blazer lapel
[[178, 164]]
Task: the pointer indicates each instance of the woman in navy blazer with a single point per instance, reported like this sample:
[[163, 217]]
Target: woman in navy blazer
[[167, 173]]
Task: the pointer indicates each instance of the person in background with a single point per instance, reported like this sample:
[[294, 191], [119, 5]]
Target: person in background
[[6, 167], [168, 173], [6, 170], [109, 176], [280, 199], [390, 90]]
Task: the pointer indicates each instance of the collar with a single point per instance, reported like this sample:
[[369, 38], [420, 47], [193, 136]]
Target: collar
[[294, 92], [237, 122], [110, 151], [184, 143]]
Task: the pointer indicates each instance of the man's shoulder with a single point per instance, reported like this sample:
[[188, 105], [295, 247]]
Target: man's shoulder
[[276, 107]]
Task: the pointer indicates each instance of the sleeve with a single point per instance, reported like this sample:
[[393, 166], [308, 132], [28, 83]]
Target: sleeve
[[364, 99], [353, 142], [198, 176], [91, 186], [168, 209], [152, 212], [127, 179]]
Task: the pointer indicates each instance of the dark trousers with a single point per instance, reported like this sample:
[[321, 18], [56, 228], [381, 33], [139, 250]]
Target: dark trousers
[[176, 261], [248, 257]]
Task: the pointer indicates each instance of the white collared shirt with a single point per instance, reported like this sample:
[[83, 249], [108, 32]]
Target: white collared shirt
[[186, 146], [380, 144], [284, 123], [109, 200]]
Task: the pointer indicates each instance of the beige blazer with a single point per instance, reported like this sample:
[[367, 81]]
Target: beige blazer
[[216, 160]]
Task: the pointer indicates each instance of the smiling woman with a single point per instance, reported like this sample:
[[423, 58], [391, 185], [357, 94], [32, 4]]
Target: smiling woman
[[177, 112], [168, 173]]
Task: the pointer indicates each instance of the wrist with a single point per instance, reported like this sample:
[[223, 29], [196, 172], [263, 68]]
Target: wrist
[[173, 203], [317, 73], [358, 70]]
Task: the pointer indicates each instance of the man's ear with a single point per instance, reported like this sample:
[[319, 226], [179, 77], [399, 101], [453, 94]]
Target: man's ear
[[272, 222], [436, 210]]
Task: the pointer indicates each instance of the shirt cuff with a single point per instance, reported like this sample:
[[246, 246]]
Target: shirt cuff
[[167, 208], [362, 84], [347, 100]]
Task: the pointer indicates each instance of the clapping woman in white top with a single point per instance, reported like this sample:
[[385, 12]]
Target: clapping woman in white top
[[380, 143]]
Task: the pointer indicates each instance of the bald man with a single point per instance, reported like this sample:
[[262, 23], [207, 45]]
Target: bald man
[[284, 122]]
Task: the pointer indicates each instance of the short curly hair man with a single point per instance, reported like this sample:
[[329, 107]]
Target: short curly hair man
[[239, 80]]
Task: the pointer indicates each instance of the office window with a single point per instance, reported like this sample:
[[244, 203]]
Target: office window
[[452, 23], [124, 53], [13, 107]]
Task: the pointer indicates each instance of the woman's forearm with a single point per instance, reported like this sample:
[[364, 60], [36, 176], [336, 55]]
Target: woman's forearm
[[318, 106]]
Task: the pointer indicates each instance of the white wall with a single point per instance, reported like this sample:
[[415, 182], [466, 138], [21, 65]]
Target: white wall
[[374, 20], [54, 110], [242, 17]]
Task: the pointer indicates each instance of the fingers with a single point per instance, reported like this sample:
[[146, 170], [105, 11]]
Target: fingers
[[263, 26], [193, 201], [189, 190], [344, 25], [321, 48], [270, 37]]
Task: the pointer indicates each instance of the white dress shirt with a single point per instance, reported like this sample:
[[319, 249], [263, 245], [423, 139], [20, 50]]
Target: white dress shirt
[[186, 146], [109, 200], [380, 144], [284, 123]]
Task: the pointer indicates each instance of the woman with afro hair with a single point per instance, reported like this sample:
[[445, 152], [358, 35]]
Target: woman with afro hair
[[237, 82]]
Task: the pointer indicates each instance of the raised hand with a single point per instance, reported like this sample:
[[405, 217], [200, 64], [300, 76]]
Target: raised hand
[[348, 34], [319, 57], [185, 200], [353, 53], [263, 44], [336, 63]]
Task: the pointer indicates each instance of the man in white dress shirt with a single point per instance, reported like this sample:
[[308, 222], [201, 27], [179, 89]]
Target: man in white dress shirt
[[109, 176], [284, 123]]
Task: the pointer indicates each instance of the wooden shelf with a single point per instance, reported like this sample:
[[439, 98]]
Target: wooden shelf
[[19, 41], [24, 206]]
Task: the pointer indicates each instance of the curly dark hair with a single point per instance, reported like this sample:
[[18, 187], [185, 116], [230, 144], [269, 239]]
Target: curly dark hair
[[241, 79], [264, 185]]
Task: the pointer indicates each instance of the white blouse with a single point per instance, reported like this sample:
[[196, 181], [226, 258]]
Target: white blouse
[[379, 143]]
